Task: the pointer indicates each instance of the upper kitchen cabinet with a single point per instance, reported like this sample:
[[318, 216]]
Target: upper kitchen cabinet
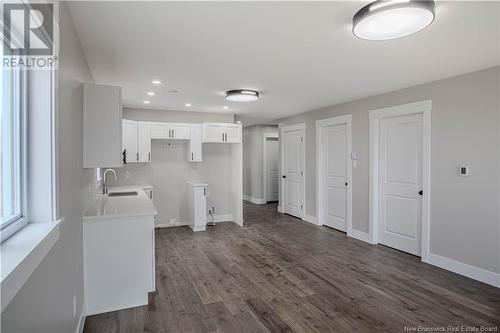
[[136, 141], [221, 132], [175, 131], [102, 126]]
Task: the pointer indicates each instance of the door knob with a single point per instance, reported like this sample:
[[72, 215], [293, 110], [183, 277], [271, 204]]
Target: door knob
[[421, 192], [284, 176]]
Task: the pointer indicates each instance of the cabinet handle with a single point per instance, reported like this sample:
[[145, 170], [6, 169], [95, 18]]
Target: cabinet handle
[[169, 133], [205, 191], [226, 137], [222, 136], [192, 156], [173, 133], [149, 156], [137, 157], [124, 156]]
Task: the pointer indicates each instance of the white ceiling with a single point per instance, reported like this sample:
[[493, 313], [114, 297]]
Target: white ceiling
[[299, 55]]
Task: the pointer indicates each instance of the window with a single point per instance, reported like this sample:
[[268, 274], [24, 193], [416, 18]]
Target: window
[[13, 157]]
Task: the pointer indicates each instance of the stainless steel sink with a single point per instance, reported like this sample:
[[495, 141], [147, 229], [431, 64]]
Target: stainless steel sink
[[123, 194]]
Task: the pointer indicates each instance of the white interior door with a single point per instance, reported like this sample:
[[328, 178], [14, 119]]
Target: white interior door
[[293, 180], [335, 177], [272, 169], [400, 181]]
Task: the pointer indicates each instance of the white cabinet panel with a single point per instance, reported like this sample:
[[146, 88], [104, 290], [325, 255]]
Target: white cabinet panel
[[144, 141], [180, 131], [195, 149], [197, 203], [221, 132], [129, 139], [160, 131], [213, 132], [102, 126], [233, 133]]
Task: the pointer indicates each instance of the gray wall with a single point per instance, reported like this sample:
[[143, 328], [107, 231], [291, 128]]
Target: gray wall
[[169, 169], [45, 303], [252, 159], [465, 130]]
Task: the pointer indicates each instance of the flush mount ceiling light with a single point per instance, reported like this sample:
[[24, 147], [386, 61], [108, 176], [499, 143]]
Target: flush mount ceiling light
[[242, 95], [382, 20], [147, 102]]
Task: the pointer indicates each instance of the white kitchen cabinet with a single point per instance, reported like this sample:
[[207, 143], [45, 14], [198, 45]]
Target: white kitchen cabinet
[[136, 141], [221, 133], [197, 203], [194, 147], [129, 133], [102, 126], [173, 131], [119, 262], [144, 141]]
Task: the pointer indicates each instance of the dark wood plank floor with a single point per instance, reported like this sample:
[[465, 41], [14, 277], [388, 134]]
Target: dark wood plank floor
[[278, 274]]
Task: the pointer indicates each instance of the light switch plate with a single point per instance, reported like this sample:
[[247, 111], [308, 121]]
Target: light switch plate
[[463, 171]]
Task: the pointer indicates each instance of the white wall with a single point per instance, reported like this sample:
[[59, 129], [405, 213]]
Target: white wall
[[169, 169], [464, 222], [253, 145], [45, 303]]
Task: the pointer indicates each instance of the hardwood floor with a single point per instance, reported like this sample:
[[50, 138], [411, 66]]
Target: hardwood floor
[[279, 274]]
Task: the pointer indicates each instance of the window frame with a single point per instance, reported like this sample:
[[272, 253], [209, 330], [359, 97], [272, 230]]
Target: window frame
[[19, 81]]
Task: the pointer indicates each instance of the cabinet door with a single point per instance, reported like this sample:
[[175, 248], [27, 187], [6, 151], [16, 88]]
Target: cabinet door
[[213, 132], [102, 126], [233, 133], [194, 151], [129, 139], [180, 131], [160, 131], [144, 141]]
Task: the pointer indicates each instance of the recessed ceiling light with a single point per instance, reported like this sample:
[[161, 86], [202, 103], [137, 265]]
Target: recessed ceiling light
[[173, 91], [188, 105], [238, 122], [225, 107], [389, 19], [150, 93], [147, 102], [156, 82], [242, 95]]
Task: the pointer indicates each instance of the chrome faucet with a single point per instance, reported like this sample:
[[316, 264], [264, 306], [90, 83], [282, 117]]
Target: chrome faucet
[[104, 186]]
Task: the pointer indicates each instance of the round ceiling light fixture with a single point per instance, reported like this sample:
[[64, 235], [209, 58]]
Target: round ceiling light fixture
[[242, 95], [390, 19]]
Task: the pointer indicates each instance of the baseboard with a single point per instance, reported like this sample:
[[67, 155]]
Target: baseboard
[[217, 219], [310, 219], [280, 209], [254, 200], [81, 320], [464, 269], [359, 235]]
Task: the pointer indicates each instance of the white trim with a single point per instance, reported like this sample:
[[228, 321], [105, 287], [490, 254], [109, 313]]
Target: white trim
[[295, 127], [217, 219], [265, 136], [310, 219], [424, 108], [117, 308], [81, 320], [464, 269], [22, 253], [254, 200], [320, 126], [280, 209], [359, 235]]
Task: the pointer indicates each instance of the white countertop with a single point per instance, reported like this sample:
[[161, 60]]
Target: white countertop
[[125, 206]]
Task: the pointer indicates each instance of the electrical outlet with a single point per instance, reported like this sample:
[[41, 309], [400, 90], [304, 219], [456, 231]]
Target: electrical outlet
[[211, 210], [128, 174]]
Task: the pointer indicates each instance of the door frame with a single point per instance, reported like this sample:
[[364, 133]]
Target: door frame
[[264, 162], [320, 203], [424, 108], [282, 129]]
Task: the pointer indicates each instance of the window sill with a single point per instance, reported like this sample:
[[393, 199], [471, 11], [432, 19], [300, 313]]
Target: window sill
[[22, 253]]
